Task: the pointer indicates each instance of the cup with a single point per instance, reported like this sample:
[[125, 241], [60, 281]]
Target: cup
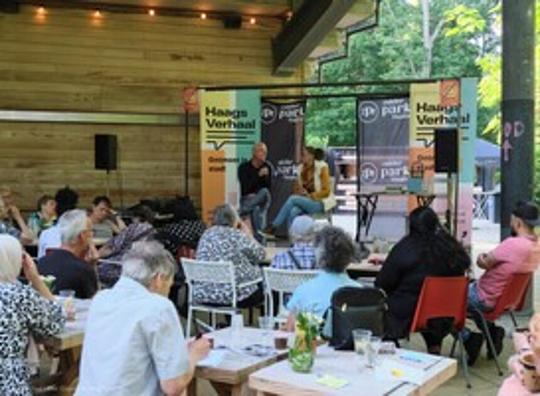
[[361, 339], [267, 323], [372, 351], [530, 379], [281, 341], [237, 324], [68, 304]]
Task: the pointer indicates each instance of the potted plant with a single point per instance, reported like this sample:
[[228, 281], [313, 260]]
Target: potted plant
[[302, 354]]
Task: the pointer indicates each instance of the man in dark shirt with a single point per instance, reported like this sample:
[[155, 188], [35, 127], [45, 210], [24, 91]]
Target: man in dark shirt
[[66, 264], [255, 177]]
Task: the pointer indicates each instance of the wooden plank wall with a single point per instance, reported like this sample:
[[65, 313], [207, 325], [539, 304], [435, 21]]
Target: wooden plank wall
[[67, 60]]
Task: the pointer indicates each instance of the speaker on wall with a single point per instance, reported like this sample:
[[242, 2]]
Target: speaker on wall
[[446, 150], [105, 152]]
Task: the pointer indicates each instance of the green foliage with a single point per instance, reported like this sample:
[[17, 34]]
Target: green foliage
[[463, 20]]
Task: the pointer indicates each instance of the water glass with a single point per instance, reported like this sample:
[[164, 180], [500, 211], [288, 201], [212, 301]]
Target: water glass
[[372, 351], [68, 304], [361, 339], [267, 323], [237, 324]]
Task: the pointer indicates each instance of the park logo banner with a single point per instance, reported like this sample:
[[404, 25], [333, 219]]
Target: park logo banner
[[443, 105], [230, 126], [283, 133]]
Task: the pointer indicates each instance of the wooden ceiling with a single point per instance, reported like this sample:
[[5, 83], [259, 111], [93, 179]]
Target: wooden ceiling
[[249, 7]]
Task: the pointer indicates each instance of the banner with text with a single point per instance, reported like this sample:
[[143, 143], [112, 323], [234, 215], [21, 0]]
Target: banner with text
[[283, 133], [230, 126]]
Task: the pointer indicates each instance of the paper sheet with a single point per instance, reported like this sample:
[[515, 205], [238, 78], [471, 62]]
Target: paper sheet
[[214, 358], [332, 382]]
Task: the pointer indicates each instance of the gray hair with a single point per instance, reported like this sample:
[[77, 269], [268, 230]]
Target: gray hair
[[10, 258], [145, 260], [71, 224], [225, 215], [334, 249]]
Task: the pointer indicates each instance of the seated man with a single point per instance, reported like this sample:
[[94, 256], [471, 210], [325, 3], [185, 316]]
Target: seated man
[[134, 344], [519, 253], [335, 252], [301, 256], [67, 263], [255, 176], [106, 221]]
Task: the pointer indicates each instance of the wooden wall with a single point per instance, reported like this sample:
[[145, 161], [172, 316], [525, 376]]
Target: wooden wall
[[67, 60]]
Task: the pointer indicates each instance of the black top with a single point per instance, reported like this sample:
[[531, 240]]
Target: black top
[[402, 277], [70, 272], [250, 181]]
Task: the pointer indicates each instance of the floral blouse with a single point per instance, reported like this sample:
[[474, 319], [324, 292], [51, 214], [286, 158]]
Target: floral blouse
[[220, 243], [23, 312]]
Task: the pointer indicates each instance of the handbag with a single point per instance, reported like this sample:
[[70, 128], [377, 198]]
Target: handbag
[[354, 308]]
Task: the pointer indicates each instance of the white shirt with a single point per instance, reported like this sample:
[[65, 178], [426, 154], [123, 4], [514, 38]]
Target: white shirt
[[133, 340], [49, 239]]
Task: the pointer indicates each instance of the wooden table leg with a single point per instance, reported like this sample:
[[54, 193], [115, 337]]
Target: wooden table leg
[[69, 370], [192, 387], [241, 390]]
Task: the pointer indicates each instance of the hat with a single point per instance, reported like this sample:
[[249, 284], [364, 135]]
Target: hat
[[302, 227], [528, 212]]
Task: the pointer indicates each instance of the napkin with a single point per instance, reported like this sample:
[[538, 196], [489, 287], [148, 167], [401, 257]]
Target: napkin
[[214, 358], [332, 382]]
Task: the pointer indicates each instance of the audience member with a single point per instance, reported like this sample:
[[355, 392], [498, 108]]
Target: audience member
[[140, 229], [231, 240], [334, 250], [134, 344], [302, 253], [428, 250], [313, 191], [67, 264], [24, 310], [105, 220], [66, 199], [519, 253], [44, 217], [10, 218], [255, 178], [185, 230]]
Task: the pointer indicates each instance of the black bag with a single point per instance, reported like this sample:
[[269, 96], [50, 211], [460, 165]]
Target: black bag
[[355, 308]]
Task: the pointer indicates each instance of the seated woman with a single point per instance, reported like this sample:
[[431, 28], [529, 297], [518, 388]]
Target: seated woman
[[141, 229], [24, 310], [301, 255], [10, 214], [313, 191], [428, 250], [45, 216], [231, 240], [335, 251]]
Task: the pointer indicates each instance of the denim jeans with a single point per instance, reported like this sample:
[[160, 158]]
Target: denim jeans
[[475, 304], [296, 205], [256, 205]]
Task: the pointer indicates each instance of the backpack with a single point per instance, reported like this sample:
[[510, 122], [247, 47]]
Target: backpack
[[354, 308]]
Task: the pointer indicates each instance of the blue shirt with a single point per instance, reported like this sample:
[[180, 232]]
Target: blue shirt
[[302, 251], [314, 296], [133, 340]]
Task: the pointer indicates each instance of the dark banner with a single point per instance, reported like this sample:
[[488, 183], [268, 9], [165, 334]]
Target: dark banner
[[383, 142], [282, 129]]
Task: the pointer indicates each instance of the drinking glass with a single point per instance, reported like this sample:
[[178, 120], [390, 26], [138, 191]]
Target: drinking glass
[[372, 351], [237, 324], [266, 323], [68, 305], [361, 339]]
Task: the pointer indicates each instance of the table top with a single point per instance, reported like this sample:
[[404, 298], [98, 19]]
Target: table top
[[237, 364], [418, 378], [73, 333]]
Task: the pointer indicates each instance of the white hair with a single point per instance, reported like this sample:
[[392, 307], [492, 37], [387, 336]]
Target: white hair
[[10, 258], [225, 215], [71, 224], [145, 260]]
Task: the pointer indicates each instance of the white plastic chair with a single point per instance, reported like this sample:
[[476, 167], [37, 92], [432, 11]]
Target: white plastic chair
[[283, 281], [220, 273]]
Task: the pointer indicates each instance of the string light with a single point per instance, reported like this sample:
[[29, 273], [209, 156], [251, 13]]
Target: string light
[[97, 14], [203, 15], [151, 12], [41, 10], [252, 20]]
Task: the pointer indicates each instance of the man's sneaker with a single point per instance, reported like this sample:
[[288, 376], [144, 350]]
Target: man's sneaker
[[497, 335], [473, 346]]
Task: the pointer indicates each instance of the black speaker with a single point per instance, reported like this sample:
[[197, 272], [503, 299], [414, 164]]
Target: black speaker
[[446, 150], [232, 21], [105, 152], [9, 6]]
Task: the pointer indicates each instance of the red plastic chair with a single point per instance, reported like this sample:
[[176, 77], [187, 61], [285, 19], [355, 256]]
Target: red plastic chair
[[511, 299], [444, 297]]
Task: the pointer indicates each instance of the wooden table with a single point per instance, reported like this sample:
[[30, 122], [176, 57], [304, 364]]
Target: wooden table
[[68, 345], [230, 377], [279, 379]]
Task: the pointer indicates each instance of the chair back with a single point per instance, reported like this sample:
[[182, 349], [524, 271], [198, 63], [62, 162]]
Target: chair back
[[441, 297], [217, 272], [283, 281], [512, 297]]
